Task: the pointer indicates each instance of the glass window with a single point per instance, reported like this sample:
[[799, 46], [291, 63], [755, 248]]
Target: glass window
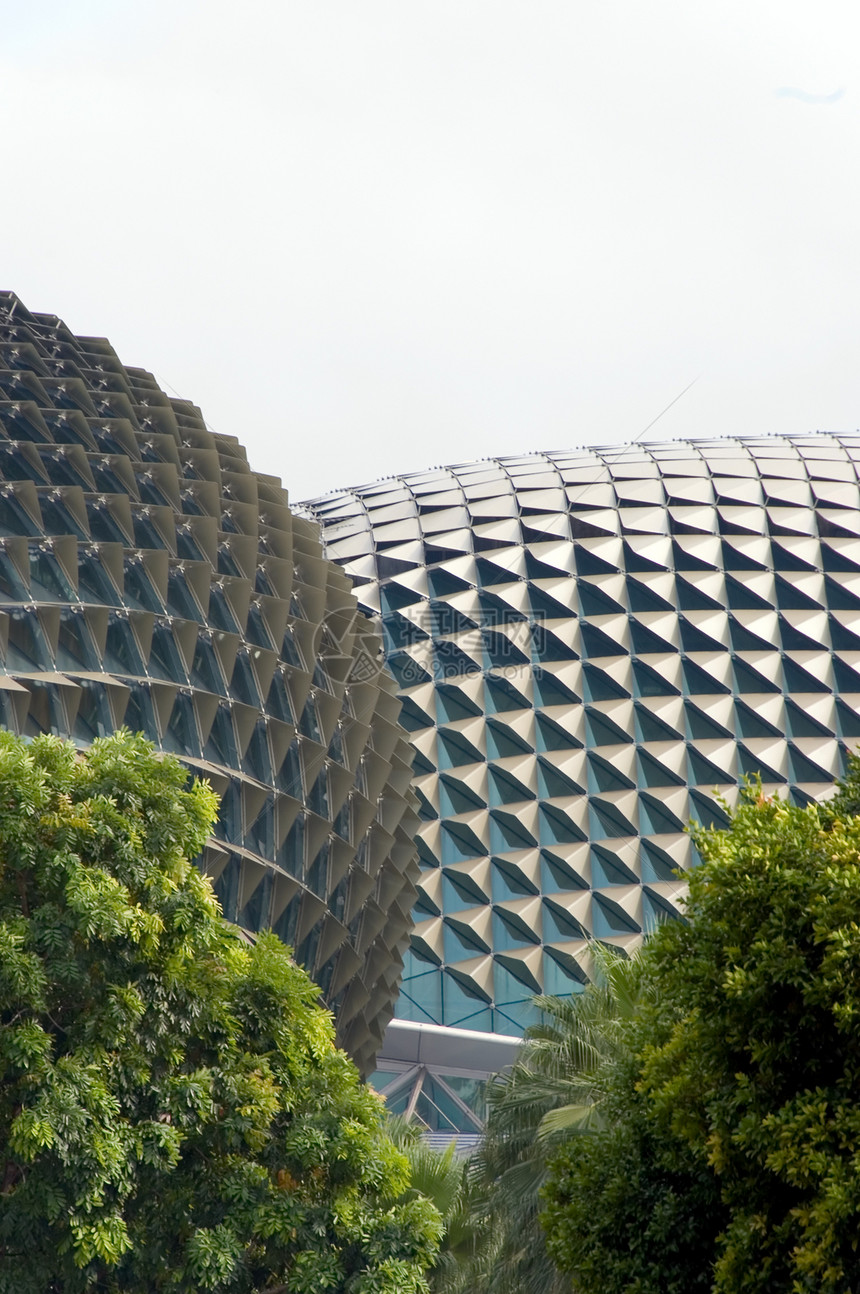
[[28, 649], [75, 647], [455, 797], [57, 517], [562, 976], [138, 590], [205, 671], [609, 919], [94, 718], [221, 743], [182, 736], [180, 600], [509, 931], [260, 834], [551, 736], [290, 777], [255, 914], [164, 659], [103, 526], [460, 842], [607, 820], [509, 882], [140, 715], [94, 583], [278, 702], [48, 580], [503, 741], [456, 750], [604, 776], [599, 686], [507, 789], [122, 654], [460, 891]]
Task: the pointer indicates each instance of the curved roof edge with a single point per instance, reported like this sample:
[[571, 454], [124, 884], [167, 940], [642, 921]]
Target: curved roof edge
[[447, 1048]]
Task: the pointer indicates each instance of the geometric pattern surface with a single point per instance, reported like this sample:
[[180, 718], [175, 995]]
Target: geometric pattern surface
[[149, 578], [444, 1104], [592, 649], [436, 1076]]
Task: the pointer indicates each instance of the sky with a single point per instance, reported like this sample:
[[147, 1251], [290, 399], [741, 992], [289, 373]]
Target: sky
[[373, 236]]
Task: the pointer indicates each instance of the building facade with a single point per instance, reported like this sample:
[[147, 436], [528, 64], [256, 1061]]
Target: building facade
[[592, 649], [588, 650], [148, 577]]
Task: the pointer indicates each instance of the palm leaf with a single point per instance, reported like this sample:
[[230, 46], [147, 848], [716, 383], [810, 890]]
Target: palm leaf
[[553, 1091]]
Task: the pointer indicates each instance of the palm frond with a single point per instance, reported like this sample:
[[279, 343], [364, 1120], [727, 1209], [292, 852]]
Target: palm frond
[[569, 1120], [553, 1091]]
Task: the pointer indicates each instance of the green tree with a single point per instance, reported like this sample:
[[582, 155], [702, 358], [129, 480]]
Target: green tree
[[554, 1091], [441, 1177], [631, 1207], [174, 1115], [744, 1083]]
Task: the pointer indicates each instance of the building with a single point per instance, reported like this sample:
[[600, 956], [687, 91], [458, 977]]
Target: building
[[149, 578], [593, 648], [590, 649]]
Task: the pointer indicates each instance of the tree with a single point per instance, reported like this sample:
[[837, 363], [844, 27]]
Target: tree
[[554, 1091], [745, 1081], [630, 1207], [440, 1176], [174, 1115]]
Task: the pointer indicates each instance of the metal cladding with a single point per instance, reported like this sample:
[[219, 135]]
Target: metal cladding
[[592, 648], [149, 578]]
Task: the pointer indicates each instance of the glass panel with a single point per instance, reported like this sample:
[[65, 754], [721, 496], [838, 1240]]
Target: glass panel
[[139, 714], [122, 654], [103, 526], [254, 915], [220, 614], [94, 717], [94, 583], [278, 703], [257, 763], [261, 834], [47, 711], [164, 658], [182, 736], [243, 685], [180, 600], [221, 745], [28, 648], [75, 647], [138, 588], [48, 580], [206, 671]]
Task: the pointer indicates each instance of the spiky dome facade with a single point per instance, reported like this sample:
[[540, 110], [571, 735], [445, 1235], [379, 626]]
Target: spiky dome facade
[[149, 578], [587, 645]]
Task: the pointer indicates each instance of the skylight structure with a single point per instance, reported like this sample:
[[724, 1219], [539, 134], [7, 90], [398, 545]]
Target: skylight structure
[[593, 648]]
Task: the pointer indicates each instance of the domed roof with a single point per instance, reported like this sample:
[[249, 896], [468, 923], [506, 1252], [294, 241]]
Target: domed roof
[[593, 648], [149, 577]]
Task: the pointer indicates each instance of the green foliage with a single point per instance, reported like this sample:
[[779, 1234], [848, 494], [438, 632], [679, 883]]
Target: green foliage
[[846, 802], [554, 1091], [763, 1070], [735, 1129], [630, 1207], [174, 1115], [440, 1176]]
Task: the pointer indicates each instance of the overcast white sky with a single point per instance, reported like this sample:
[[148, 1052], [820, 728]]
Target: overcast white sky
[[369, 236]]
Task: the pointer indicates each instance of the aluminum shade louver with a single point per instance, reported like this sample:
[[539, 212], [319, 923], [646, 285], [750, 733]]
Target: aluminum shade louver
[[587, 644], [149, 578]]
